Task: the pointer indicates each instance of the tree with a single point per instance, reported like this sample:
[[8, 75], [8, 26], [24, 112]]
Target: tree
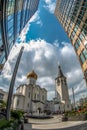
[[2, 104]]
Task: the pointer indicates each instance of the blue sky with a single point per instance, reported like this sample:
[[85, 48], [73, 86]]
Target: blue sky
[[50, 29], [45, 46]]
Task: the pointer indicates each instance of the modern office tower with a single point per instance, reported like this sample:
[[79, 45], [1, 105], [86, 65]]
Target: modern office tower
[[14, 14], [72, 14]]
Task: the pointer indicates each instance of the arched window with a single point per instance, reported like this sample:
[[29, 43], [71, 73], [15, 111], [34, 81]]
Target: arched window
[[17, 102]]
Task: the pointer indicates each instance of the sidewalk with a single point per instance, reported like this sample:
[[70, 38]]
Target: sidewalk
[[74, 125]]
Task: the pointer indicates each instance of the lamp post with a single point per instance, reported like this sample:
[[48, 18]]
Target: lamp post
[[73, 97], [9, 100]]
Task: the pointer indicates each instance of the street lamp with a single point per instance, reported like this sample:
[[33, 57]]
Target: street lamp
[[73, 97], [9, 100]]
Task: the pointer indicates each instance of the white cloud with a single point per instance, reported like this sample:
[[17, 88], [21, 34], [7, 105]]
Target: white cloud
[[22, 36], [50, 5], [35, 18], [56, 43], [44, 58]]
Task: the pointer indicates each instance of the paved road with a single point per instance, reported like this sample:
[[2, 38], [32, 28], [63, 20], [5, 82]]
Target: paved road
[[55, 124]]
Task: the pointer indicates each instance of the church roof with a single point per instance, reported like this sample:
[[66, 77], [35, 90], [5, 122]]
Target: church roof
[[60, 73], [32, 74]]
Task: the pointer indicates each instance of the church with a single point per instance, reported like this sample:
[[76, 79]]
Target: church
[[30, 97], [61, 101]]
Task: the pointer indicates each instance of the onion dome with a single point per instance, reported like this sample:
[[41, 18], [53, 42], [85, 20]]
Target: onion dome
[[32, 74]]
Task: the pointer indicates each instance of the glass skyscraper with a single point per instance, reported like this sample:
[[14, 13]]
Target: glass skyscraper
[[72, 14], [14, 14]]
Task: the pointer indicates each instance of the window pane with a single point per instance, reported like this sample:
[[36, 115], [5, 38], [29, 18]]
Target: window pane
[[85, 53], [82, 58]]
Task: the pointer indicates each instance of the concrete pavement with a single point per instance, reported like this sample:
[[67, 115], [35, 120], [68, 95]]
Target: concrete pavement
[[55, 124]]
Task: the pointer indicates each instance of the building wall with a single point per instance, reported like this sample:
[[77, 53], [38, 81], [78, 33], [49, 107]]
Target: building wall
[[3, 95], [50, 106], [56, 108], [36, 106], [62, 89], [30, 97], [32, 81], [13, 17], [18, 102], [21, 89], [73, 17]]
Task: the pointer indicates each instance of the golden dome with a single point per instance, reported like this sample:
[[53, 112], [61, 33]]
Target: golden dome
[[32, 74]]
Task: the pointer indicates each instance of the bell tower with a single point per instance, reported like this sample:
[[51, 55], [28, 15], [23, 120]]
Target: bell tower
[[61, 86]]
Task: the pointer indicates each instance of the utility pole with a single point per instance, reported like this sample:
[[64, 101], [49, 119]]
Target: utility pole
[[9, 100], [73, 97]]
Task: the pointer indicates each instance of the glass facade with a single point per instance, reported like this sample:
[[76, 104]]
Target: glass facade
[[14, 14], [72, 14]]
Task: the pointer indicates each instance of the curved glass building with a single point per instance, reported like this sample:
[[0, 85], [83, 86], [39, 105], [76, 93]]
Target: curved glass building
[[14, 14], [72, 14]]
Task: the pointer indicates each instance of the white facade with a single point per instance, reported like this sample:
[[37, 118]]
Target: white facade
[[62, 95], [50, 106], [30, 97], [18, 101]]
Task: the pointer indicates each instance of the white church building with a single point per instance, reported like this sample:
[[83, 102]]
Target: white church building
[[30, 97]]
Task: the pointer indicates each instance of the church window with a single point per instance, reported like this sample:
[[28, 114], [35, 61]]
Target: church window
[[67, 106], [29, 94], [17, 102], [43, 97], [28, 104], [65, 82], [58, 82], [38, 96], [35, 96], [1, 96], [61, 80]]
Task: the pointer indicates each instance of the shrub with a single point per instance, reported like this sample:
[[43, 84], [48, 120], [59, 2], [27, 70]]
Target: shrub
[[3, 123], [85, 113], [2, 104], [17, 114], [8, 125]]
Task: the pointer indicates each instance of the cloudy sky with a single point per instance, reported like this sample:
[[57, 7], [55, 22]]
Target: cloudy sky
[[45, 46]]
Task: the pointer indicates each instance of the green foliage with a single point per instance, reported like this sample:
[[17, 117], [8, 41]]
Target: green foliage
[[17, 114], [8, 125], [2, 104], [85, 112], [66, 114], [13, 123], [71, 113], [3, 123]]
